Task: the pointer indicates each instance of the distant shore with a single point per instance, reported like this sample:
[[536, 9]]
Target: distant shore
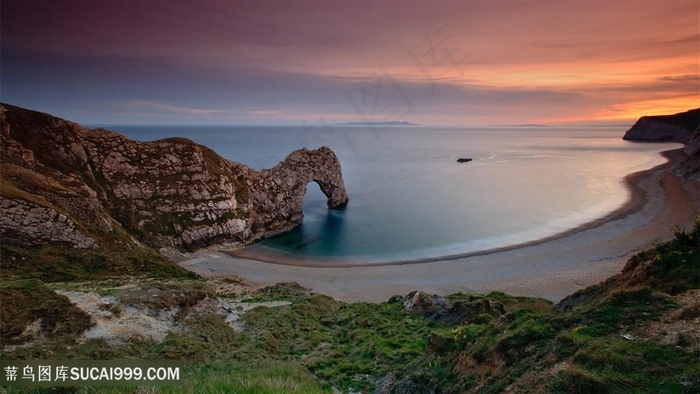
[[552, 267]]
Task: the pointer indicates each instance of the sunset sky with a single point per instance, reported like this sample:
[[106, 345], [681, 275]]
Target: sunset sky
[[288, 62]]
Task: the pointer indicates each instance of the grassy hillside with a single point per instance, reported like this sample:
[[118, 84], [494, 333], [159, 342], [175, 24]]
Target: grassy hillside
[[635, 333]]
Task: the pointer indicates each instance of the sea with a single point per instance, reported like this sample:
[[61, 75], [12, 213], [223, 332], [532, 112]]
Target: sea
[[411, 200]]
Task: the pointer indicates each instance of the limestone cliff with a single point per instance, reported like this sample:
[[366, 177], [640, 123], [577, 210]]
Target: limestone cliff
[[677, 127], [683, 127], [62, 182], [278, 193], [690, 168]]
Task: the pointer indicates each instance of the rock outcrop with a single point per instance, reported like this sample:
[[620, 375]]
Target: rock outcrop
[[30, 224], [690, 168], [278, 193], [458, 310], [662, 128], [683, 127], [62, 182]]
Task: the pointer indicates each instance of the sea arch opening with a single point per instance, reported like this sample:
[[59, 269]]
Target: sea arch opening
[[314, 199], [321, 230]]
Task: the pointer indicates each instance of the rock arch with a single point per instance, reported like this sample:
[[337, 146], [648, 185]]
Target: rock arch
[[167, 193], [278, 193]]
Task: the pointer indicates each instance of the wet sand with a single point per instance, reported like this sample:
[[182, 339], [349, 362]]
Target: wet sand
[[551, 268]]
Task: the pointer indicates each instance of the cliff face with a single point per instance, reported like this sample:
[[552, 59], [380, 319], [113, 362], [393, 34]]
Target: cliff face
[[677, 128], [693, 145], [690, 168], [64, 183], [683, 127]]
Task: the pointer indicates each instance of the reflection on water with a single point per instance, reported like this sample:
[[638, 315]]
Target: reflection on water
[[409, 198], [320, 233]]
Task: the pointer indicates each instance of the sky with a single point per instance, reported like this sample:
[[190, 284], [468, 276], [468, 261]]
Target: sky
[[308, 62]]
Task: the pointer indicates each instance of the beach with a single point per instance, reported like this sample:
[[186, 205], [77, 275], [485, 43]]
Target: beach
[[550, 268]]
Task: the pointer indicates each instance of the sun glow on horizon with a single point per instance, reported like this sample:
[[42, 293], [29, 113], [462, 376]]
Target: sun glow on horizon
[[637, 109], [476, 62]]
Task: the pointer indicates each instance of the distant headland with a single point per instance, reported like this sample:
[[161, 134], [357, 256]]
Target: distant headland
[[678, 127], [683, 127], [389, 123]]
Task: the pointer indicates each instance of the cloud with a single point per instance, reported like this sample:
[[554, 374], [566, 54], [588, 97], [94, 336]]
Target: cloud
[[161, 108], [222, 61]]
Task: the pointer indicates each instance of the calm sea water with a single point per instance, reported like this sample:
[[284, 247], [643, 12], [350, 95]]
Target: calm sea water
[[410, 199]]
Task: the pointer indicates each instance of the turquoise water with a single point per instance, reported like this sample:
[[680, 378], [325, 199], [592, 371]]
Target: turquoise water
[[410, 199]]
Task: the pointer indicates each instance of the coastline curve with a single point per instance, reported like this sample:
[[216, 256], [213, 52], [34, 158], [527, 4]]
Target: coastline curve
[[659, 203], [637, 199]]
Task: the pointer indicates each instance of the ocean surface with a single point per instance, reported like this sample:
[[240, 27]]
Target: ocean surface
[[410, 199]]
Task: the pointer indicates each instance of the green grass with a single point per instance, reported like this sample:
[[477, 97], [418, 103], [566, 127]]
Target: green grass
[[208, 338], [622, 309], [584, 350], [366, 342], [347, 346], [528, 335], [267, 377], [676, 264], [249, 378], [26, 184], [27, 301], [489, 344], [515, 303], [344, 345], [58, 263], [622, 366]]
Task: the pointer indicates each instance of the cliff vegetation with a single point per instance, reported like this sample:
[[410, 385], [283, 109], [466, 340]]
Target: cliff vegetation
[[65, 184], [636, 332]]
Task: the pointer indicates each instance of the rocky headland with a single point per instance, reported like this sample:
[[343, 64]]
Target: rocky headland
[[683, 127], [665, 128], [64, 183]]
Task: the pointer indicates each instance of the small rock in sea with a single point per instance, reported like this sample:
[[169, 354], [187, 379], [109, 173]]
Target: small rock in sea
[[463, 160]]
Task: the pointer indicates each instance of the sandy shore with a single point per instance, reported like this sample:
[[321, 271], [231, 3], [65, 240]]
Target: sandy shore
[[551, 268]]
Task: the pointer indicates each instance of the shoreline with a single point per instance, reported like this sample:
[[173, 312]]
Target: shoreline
[[635, 202], [551, 267]]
